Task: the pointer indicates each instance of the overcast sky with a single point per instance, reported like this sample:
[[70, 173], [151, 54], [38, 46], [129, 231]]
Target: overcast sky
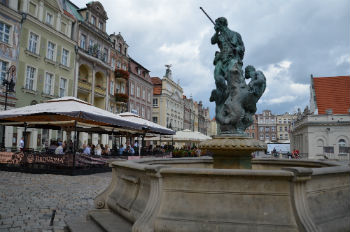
[[287, 39]]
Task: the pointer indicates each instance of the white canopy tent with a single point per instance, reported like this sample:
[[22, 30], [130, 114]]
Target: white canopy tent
[[182, 137], [149, 126]]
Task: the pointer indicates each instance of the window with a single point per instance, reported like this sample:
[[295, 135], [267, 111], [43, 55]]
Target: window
[[267, 129], [111, 89], [273, 137], [253, 135], [285, 128], [253, 127], [120, 48], [105, 54], [93, 20], [261, 129], [132, 89], [267, 136], [33, 42], [100, 25], [63, 87], [155, 102], [50, 51], [48, 85], [30, 78], [124, 67], [113, 63], [65, 57], [4, 32], [280, 121], [281, 136], [342, 146], [144, 94], [3, 70], [261, 136], [49, 18], [122, 88], [285, 136], [119, 65], [138, 91], [142, 111], [155, 119], [138, 71], [91, 43], [149, 97], [281, 128], [82, 41], [285, 121]]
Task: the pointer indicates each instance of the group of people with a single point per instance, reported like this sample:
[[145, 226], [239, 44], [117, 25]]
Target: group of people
[[99, 149]]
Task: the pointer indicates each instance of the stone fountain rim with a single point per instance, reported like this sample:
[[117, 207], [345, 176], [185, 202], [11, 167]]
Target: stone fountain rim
[[163, 168]]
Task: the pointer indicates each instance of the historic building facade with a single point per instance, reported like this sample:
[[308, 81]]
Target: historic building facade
[[140, 90], [118, 83], [47, 60], [267, 126], [10, 29], [323, 131], [93, 66], [188, 113], [284, 122], [168, 104]]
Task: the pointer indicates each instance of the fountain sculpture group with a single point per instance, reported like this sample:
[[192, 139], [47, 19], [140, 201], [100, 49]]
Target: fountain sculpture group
[[230, 191]]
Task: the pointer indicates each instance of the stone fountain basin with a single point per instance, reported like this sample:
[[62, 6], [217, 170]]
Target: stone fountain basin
[[189, 195]]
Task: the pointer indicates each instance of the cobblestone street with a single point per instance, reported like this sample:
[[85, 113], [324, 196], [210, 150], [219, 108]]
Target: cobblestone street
[[27, 200]]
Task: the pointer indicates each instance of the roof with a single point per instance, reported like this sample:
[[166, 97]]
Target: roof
[[156, 80], [73, 10], [157, 85], [332, 93]]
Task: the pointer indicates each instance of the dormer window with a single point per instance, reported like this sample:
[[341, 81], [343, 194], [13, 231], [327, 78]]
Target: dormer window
[[120, 48], [93, 20], [138, 71]]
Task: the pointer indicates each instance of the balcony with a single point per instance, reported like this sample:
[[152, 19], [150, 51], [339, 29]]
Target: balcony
[[121, 97], [84, 84], [100, 90], [121, 74], [95, 52]]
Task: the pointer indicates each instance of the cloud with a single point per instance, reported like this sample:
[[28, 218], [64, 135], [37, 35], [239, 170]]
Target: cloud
[[344, 59], [288, 40]]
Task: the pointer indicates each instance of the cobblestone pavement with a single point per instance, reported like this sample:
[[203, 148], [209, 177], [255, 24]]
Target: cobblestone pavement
[[27, 200]]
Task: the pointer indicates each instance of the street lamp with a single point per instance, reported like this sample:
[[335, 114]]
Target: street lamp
[[9, 88]]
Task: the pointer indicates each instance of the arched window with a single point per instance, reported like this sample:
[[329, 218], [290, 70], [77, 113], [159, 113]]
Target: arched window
[[320, 143], [341, 143], [342, 146]]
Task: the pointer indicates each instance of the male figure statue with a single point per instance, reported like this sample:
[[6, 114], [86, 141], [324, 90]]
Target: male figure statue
[[231, 51]]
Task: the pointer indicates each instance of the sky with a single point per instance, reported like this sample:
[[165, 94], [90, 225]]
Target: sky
[[286, 39]]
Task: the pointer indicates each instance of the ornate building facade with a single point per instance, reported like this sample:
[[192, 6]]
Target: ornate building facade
[[168, 104], [140, 90]]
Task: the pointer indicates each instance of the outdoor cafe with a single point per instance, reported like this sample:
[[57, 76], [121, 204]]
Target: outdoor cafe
[[73, 116]]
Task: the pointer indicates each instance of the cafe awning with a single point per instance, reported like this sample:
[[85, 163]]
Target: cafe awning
[[149, 126], [65, 112]]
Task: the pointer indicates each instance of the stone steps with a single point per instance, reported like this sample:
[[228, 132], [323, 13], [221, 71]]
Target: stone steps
[[100, 221]]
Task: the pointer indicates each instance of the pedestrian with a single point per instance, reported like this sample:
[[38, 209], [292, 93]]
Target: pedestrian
[[98, 150], [86, 149], [59, 149], [21, 144], [121, 149]]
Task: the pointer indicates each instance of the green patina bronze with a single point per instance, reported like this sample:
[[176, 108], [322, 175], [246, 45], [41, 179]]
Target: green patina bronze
[[235, 100]]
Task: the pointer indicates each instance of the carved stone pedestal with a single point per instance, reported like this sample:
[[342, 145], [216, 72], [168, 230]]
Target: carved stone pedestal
[[232, 151]]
